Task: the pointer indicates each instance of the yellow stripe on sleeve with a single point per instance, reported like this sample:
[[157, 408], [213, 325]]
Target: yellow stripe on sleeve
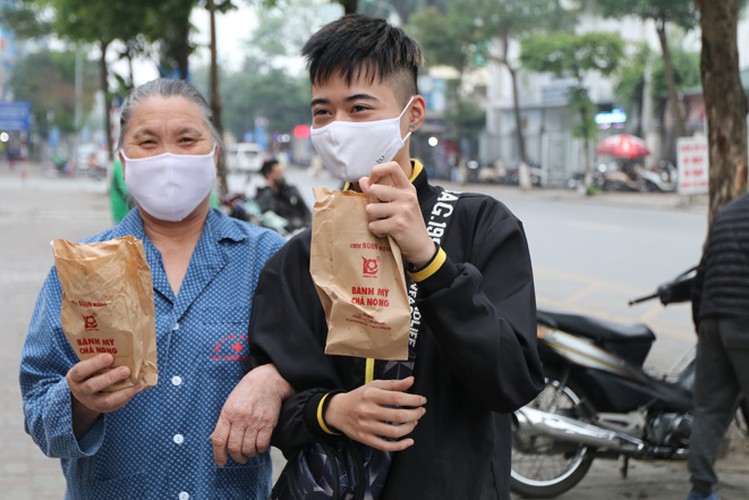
[[432, 268]]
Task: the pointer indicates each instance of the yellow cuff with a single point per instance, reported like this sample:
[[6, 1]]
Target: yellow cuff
[[321, 420], [431, 268]]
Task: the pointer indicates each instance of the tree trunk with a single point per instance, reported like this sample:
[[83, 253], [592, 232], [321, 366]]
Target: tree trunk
[[515, 98], [349, 6], [182, 51], [104, 87], [216, 103], [725, 102], [668, 68]]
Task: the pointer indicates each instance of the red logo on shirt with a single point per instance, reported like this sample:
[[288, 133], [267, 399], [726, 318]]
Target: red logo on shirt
[[231, 347], [369, 267], [89, 322]]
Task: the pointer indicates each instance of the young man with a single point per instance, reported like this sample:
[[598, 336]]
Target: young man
[[472, 350]]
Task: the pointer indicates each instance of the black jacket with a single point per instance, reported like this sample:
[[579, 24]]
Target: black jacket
[[287, 203], [721, 286], [476, 356]]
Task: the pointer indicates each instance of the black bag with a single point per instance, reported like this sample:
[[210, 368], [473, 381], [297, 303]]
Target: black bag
[[323, 471]]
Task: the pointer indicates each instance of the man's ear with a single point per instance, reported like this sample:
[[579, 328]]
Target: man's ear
[[417, 113]]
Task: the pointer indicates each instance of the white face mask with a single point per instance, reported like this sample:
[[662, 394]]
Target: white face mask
[[349, 150], [168, 186]]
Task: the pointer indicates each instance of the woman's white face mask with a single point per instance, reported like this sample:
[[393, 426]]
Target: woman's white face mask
[[169, 186], [349, 150]]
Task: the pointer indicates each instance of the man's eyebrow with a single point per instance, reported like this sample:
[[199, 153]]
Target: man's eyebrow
[[318, 100], [355, 97]]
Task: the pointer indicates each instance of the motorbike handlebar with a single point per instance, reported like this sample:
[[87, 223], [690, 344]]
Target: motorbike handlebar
[[677, 290], [632, 302]]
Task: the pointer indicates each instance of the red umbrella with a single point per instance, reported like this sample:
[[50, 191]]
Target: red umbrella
[[623, 146]]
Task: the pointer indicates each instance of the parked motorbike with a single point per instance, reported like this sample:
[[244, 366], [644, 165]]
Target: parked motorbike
[[660, 178], [599, 402], [628, 175]]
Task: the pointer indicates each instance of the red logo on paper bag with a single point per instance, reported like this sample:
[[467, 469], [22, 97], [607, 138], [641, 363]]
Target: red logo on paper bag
[[369, 267], [89, 322]]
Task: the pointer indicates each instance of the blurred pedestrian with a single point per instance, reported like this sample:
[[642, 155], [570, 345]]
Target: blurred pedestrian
[[720, 308], [282, 198], [120, 200], [155, 444]]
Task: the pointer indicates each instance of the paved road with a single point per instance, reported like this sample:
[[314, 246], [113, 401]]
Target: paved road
[[36, 209]]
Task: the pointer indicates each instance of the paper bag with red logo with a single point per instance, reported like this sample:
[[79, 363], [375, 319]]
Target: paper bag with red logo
[[107, 304], [359, 278]]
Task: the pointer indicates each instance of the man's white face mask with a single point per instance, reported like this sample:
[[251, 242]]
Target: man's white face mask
[[349, 150], [169, 186]]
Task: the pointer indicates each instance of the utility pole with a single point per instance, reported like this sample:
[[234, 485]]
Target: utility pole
[[216, 104]]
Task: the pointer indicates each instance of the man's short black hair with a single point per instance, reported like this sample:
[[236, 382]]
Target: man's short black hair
[[358, 46], [268, 166]]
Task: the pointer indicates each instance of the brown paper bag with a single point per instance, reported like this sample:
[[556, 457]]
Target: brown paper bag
[[359, 279], [107, 304]]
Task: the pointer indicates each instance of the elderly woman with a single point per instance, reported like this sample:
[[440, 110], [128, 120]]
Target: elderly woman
[[155, 443]]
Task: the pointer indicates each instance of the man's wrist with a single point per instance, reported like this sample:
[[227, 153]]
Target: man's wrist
[[418, 264], [328, 413]]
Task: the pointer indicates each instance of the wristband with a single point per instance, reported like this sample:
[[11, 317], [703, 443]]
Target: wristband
[[321, 407]]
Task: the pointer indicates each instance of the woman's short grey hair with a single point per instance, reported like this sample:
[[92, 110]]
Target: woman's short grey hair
[[165, 87]]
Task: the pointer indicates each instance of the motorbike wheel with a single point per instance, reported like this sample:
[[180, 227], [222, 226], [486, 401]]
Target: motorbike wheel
[[542, 467]]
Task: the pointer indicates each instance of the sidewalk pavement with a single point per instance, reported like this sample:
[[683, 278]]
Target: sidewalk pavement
[[36, 209]]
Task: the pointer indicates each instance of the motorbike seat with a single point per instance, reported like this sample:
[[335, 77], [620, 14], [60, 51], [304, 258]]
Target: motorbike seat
[[598, 330]]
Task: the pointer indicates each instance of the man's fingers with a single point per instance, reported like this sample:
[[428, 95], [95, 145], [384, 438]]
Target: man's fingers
[[389, 445], [390, 393], [394, 385], [402, 415], [392, 170]]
